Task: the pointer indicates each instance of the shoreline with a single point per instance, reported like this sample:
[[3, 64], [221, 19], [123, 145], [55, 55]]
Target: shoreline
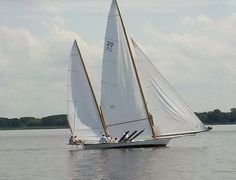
[[33, 128]]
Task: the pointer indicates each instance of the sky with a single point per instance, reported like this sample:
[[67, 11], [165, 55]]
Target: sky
[[191, 42]]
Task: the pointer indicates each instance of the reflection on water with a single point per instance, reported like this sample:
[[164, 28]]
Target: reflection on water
[[43, 154], [116, 163], [150, 163]]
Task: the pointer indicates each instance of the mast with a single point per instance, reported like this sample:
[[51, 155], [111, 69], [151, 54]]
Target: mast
[[136, 74], [103, 121], [93, 94]]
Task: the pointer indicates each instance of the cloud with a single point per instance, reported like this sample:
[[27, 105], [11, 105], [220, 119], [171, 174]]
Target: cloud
[[199, 61], [188, 21], [160, 6], [94, 6], [192, 46], [202, 19], [232, 2], [33, 70]]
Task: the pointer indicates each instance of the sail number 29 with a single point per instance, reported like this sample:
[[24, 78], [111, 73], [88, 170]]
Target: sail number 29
[[109, 45]]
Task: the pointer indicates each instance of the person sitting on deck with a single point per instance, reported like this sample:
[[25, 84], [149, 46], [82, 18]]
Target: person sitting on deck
[[103, 139], [115, 140], [76, 140], [109, 139]]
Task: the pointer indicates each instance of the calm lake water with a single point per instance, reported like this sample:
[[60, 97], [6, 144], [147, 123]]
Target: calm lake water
[[43, 154]]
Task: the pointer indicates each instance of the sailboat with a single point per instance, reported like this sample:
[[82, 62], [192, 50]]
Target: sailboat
[[135, 97]]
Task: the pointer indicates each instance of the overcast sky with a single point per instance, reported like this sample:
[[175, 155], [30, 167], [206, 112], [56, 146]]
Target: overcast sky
[[192, 43]]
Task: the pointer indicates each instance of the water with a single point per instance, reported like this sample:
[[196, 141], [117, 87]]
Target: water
[[42, 154]]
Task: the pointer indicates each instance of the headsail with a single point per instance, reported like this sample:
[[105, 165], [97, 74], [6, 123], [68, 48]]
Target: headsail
[[170, 113], [121, 101], [83, 113]]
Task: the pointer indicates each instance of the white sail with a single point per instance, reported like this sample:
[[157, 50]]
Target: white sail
[[121, 101], [83, 114], [171, 115]]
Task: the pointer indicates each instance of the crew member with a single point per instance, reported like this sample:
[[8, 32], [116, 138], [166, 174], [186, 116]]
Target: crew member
[[103, 139], [76, 140], [109, 139]]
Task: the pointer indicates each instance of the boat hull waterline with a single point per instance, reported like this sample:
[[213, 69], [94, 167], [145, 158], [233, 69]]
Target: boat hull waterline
[[135, 144]]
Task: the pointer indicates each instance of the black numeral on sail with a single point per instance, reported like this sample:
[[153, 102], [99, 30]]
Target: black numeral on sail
[[109, 45]]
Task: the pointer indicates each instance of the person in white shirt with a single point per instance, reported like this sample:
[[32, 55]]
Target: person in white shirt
[[109, 139], [103, 139], [77, 140]]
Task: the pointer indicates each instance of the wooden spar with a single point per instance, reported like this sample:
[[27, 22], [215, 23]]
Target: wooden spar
[[122, 138], [136, 135], [90, 85], [103, 122], [131, 135], [136, 74]]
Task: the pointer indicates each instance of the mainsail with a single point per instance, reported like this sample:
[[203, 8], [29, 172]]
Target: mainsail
[[83, 114], [170, 113], [121, 101]]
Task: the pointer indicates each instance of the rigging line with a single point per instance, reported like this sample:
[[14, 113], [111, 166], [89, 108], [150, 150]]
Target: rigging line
[[86, 129], [127, 122], [74, 54], [71, 70], [72, 85], [111, 83], [110, 61], [183, 133]]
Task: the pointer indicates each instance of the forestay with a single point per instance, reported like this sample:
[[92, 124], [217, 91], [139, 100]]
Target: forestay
[[83, 114], [121, 101], [171, 115]]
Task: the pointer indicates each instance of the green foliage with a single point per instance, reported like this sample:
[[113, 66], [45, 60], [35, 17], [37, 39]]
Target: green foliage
[[4, 122], [232, 115], [58, 121], [32, 123], [14, 122], [218, 117]]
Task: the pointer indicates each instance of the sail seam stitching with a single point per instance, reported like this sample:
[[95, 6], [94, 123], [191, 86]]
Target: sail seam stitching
[[106, 38], [108, 82], [113, 15], [109, 61]]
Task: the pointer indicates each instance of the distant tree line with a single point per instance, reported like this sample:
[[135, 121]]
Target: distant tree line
[[60, 121], [56, 121], [218, 117]]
